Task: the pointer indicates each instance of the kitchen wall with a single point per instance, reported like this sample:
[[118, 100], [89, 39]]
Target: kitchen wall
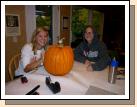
[[14, 44]]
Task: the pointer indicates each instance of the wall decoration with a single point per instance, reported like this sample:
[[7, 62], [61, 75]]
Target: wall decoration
[[12, 25]]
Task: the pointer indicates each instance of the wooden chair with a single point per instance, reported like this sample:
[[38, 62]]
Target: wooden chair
[[13, 65]]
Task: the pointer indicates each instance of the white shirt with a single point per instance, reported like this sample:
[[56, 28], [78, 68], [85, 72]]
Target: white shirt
[[26, 55]]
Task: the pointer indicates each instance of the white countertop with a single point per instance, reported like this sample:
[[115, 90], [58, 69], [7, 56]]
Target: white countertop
[[77, 82]]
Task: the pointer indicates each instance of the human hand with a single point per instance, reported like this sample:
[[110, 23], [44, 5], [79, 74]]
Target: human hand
[[92, 62], [87, 63], [33, 60], [89, 68]]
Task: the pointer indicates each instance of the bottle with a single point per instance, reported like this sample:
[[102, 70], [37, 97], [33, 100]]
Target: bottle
[[112, 71]]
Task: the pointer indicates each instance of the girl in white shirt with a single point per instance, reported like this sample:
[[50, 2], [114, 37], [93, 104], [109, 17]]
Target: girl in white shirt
[[32, 53]]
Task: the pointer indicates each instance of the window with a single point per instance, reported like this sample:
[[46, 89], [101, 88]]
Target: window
[[79, 21], [97, 22], [82, 16], [44, 18]]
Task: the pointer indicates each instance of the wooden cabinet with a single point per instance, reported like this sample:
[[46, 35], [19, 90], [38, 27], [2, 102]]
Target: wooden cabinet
[[65, 20]]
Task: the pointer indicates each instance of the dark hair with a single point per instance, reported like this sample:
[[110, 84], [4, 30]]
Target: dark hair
[[89, 26]]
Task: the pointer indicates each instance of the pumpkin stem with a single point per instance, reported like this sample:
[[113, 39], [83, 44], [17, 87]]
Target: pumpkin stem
[[61, 42]]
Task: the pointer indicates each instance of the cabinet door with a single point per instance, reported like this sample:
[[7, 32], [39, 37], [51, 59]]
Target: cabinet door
[[65, 23]]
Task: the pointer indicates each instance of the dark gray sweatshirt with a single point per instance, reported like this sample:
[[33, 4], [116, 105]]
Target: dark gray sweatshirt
[[95, 52]]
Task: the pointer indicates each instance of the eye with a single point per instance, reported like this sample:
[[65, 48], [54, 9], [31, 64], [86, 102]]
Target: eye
[[39, 35], [45, 36]]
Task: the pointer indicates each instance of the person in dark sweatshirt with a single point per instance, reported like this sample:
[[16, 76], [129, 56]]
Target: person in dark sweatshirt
[[92, 52]]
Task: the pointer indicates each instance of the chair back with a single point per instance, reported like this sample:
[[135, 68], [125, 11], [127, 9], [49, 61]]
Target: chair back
[[13, 65]]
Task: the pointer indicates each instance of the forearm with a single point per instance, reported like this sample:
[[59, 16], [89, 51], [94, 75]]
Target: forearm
[[103, 58], [32, 65], [101, 64], [78, 57]]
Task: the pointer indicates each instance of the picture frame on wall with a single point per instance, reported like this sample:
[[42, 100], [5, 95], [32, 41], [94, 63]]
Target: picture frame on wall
[[12, 25]]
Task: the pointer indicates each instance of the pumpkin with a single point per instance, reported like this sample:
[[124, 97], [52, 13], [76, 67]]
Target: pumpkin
[[58, 60]]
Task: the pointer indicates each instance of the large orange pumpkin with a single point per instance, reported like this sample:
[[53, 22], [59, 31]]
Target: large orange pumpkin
[[58, 60]]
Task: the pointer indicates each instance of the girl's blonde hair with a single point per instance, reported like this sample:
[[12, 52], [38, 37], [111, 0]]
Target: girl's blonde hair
[[35, 33]]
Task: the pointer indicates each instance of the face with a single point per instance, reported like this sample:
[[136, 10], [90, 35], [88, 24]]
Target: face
[[42, 38], [89, 35]]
